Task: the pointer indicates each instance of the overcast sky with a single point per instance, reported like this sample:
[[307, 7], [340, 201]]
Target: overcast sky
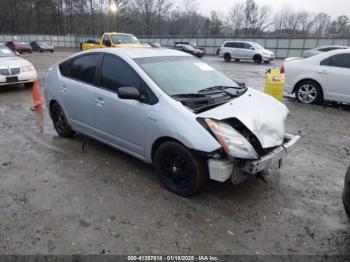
[[333, 7]]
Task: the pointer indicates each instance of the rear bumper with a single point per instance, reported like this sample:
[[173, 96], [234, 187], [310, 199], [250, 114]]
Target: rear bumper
[[26, 77], [222, 170]]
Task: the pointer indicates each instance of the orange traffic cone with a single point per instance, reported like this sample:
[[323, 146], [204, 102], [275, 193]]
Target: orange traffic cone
[[38, 100]]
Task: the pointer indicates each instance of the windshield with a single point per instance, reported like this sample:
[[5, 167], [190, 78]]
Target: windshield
[[183, 75], [124, 39], [5, 52]]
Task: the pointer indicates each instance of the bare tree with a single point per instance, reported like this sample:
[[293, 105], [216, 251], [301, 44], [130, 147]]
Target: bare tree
[[236, 18], [321, 23]]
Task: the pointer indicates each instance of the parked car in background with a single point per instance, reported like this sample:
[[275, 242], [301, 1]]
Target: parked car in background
[[42, 47], [189, 49], [318, 78], [194, 45], [346, 193], [171, 110], [116, 40], [20, 47], [90, 44], [241, 50], [154, 45], [14, 69], [323, 49]]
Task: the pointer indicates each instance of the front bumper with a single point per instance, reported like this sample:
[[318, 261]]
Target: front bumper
[[222, 170], [26, 77], [268, 58], [274, 157]]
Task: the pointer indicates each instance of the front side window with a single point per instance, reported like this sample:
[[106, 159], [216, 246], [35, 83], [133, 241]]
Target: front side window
[[84, 68], [115, 73], [183, 75], [340, 60], [247, 46]]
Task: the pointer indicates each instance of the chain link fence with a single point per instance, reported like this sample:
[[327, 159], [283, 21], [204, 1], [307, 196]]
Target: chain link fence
[[282, 47]]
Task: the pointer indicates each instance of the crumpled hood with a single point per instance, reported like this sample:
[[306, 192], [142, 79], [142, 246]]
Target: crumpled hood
[[261, 114], [14, 61]]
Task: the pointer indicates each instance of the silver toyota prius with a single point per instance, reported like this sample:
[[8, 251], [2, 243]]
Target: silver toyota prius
[[171, 110]]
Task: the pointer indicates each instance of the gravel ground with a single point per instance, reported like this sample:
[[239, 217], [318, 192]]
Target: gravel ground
[[54, 199]]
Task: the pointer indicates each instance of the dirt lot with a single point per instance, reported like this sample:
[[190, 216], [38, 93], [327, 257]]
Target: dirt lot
[[54, 199]]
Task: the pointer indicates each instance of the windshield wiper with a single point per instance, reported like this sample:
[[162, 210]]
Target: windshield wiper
[[190, 95], [219, 88]]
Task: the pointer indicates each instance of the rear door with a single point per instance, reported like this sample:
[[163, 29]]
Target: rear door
[[117, 121], [335, 74], [77, 91]]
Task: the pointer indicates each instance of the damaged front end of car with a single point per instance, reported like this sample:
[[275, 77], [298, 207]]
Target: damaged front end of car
[[242, 153]]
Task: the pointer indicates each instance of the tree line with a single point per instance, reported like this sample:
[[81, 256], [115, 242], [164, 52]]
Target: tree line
[[245, 18]]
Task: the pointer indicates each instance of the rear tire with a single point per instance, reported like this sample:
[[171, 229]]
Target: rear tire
[[257, 59], [179, 170], [227, 57], [60, 121], [309, 92]]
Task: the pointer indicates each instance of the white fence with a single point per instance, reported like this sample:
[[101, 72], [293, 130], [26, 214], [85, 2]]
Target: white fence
[[282, 47]]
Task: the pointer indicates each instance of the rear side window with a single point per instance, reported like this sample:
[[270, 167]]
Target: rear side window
[[116, 73], [84, 68], [340, 60], [234, 45], [64, 67]]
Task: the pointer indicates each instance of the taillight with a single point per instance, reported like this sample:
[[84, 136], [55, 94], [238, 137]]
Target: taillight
[[282, 69]]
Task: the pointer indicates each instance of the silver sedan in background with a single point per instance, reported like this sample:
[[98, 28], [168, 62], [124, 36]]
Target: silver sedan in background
[[323, 49], [171, 110]]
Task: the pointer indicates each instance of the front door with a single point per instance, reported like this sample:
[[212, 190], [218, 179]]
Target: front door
[[335, 74], [117, 121]]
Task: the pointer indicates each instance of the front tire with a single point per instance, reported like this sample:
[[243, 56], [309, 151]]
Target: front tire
[[257, 59], [179, 170], [227, 57], [309, 92], [60, 121]]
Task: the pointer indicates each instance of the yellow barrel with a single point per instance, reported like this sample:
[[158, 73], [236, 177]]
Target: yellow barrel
[[274, 85]]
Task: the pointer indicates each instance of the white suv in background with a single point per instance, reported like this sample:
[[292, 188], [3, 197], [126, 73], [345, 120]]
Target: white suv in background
[[241, 50]]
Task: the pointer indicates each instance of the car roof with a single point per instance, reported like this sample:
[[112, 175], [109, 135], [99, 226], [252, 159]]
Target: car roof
[[330, 46], [326, 55], [144, 52]]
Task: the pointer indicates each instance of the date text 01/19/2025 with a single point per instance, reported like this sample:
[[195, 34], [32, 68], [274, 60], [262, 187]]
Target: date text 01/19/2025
[[173, 258]]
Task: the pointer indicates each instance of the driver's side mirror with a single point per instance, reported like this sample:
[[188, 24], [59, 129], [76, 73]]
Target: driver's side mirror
[[108, 43], [131, 93], [252, 48]]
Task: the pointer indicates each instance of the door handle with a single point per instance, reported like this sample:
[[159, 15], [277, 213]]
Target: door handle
[[323, 71], [100, 101]]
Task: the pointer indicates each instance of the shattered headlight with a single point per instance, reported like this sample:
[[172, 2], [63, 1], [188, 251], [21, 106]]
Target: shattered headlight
[[27, 68], [231, 140]]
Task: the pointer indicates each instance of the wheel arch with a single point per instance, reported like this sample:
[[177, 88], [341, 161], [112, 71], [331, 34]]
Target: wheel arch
[[156, 144]]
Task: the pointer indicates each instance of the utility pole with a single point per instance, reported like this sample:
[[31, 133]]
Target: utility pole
[[110, 15]]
